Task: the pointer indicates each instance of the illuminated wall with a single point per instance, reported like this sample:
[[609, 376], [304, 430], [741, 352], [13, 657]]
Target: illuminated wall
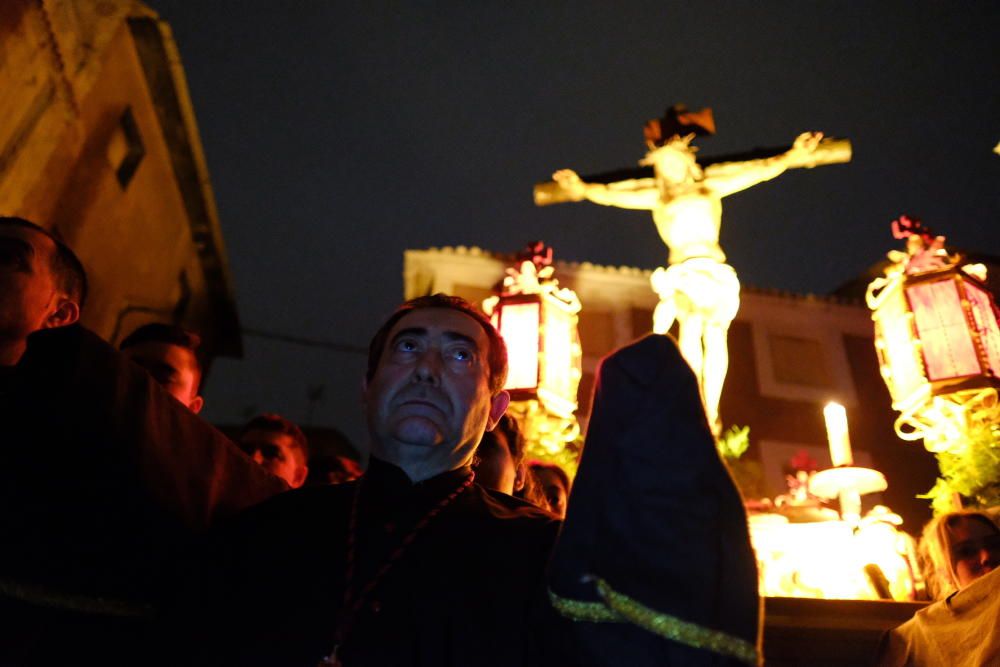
[[98, 141]]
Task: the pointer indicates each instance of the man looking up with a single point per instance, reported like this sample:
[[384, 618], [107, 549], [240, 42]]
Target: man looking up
[[278, 445], [168, 353], [413, 551], [42, 285], [435, 387]]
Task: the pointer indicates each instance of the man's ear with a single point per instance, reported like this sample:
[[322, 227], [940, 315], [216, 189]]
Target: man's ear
[[520, 477], [65, 314], [300, 477], [498, 406], [196, 404]]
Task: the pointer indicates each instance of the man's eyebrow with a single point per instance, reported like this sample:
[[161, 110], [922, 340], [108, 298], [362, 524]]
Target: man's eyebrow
[[422, 331], [410, 331], [19, 242], [456, 336]]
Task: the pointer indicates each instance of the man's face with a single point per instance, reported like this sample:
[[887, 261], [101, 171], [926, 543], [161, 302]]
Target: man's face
[[277, 453], [29, 296], [174, 367], [975, 550], [429, 400]]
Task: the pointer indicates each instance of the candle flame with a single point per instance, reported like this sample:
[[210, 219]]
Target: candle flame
[[836, 432]]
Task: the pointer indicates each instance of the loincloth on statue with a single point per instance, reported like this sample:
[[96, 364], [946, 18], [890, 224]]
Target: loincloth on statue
[[700, 286]]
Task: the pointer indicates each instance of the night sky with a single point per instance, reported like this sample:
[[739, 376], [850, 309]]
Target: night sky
[[340, 134]]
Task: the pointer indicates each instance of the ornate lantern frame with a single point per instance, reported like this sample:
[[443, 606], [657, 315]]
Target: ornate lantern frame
[[546, 409], [937, 338]]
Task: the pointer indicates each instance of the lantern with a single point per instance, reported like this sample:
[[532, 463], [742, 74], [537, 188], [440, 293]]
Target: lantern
[[937, 333], [519, 321], [538, 321], [937, 338]]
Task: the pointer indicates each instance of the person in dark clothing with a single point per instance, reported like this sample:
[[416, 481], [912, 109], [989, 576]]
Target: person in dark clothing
[[415, 564], [654, 557], [464, 588], [105, 477]]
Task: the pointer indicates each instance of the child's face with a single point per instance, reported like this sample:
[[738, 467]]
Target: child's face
[[975, 550]]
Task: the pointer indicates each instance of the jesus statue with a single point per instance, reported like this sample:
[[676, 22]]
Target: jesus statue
[[698, 288]]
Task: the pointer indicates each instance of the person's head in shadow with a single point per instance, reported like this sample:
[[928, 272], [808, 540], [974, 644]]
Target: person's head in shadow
[[499, 460], [278, 445], [42, 285], [333, 469], [548, 487], [958, 548], [170, 354]]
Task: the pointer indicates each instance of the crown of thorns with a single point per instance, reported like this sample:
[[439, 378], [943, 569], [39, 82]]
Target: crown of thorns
[[678, 121]]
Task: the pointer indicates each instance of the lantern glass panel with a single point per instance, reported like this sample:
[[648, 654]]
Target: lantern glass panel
[[559, 353], [519, 326], [985, 317], [943, 330], [905, 374]]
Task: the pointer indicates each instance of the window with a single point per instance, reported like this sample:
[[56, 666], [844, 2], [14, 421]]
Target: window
[[799, 360]]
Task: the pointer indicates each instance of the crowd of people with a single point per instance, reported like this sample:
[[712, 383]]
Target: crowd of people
[[169, 353], [136, 533]]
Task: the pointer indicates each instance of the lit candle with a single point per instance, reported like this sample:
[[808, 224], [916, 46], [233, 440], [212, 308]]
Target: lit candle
[[836, 432]]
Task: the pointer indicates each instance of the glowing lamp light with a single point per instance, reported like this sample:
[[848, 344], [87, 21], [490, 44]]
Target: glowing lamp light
[[956, 322], [542, 349], [520, 325], [831, 559], [936, 333], [835, 417]]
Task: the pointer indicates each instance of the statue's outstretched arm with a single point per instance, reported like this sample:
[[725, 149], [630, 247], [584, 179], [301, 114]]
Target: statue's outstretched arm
[[726, 178], [636, 194]]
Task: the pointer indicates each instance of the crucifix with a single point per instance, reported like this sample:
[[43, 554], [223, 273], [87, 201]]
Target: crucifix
[[698, 288]]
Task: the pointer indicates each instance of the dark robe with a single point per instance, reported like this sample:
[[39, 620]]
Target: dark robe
[[105, 478], [656, 517], [467, 592]]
